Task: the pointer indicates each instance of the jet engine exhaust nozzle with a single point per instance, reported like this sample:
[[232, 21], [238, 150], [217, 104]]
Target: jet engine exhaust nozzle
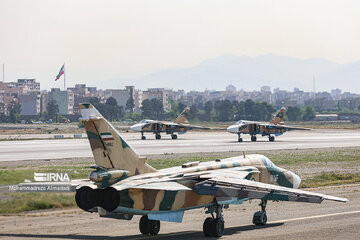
[[87, 198]]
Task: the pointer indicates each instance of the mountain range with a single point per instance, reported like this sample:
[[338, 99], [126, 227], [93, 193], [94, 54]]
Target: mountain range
[[250, 73]]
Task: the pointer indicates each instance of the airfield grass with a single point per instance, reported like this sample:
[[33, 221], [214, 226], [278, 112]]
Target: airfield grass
[[278, 158], [18, 202], [22, 202], [327, 179]]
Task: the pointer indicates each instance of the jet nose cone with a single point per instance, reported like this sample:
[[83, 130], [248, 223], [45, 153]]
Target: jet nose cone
[[136, 127], [296, 181], [233, 129]]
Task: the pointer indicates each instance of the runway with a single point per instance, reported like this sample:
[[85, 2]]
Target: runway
[[190, 142], [286, 220]]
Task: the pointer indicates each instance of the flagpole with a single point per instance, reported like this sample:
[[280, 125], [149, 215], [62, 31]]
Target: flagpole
[[64, 78]]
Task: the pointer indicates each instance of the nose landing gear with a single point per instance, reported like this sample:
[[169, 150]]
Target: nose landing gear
[[239, 138]]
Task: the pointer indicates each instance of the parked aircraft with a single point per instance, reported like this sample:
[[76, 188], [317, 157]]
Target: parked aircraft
[[123, 184], [181, 125], [276, 127]]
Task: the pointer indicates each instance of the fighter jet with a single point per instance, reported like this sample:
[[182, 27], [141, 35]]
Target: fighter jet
[[276, 127], [181, 125], [123, 184]]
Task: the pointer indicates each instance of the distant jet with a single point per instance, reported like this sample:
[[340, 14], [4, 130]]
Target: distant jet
[[275, 127], [181, 125]]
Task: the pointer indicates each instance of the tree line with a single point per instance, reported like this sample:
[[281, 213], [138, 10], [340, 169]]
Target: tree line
[[232, 111], [218, 111]]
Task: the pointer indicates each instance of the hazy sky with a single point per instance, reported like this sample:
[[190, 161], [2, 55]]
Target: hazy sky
[[102, 40]]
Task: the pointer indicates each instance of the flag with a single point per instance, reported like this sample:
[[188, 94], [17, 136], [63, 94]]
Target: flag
[[106, 136], [61, 72]]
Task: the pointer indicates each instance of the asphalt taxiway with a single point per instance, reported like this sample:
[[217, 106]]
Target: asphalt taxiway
[[190, 142], [286, 220]]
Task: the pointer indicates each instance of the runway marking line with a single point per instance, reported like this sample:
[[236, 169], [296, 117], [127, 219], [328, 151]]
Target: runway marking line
[[313, 217]]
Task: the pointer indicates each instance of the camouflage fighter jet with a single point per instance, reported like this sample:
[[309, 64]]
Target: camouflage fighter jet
[[275, 127], [123, 184], [181, 125]]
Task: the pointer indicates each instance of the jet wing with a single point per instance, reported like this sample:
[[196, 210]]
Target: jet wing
[[224, 188], [284, 127], [172, 181], [169, 186], [188, 126]]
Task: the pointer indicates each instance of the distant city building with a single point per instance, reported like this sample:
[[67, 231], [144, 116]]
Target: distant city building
[[231, 88], [33, 101], [44, 100], [64, 99], [160, 94], [121, 96], [265, 89], [28, 85], [336, 94], [30, 103]]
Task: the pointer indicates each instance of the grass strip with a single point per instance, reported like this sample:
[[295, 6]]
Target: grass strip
[[21, 202], [328, 179]]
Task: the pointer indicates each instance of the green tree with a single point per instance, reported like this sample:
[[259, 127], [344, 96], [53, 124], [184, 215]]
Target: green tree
[[208, 107], [152, 108], [294, 113], [130, 105], [180, 108], [157, 106], [224, 110], [111, 102], [193, 111], [111, 109], [52, 110], [309, 114], [14, 112], [94, 100], [146, 108]]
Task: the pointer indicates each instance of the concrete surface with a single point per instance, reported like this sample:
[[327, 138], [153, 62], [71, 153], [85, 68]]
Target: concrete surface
[[188, 143], [286, 220]]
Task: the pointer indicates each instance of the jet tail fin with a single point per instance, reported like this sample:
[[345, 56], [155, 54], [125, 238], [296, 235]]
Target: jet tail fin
[[110, 150], [278, 119], [182, 118]]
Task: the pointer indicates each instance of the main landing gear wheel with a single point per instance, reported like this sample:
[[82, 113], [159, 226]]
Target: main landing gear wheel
[[157, 136], [173, 136], [271, 138], [147, 226], [214, 227], [207, 227], [260, 217], [253, 138]]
